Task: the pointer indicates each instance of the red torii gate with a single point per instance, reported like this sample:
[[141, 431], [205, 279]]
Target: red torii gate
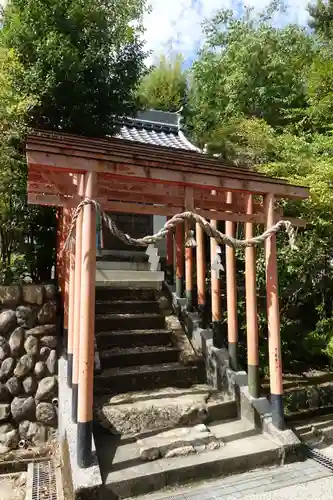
[[123, 176]]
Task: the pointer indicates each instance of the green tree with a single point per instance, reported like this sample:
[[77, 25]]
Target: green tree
[[70, 65], [247, 68], [321, 18], [80, 60], [164, 86]]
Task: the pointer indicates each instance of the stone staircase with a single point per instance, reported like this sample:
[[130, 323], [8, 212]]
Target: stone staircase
[[136, 350], [156, 422]]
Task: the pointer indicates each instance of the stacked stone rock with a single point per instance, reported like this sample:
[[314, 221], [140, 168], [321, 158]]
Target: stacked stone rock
[[28, 365]]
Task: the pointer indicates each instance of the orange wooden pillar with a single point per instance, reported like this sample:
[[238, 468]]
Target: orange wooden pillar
[[230, 256], [216, 295], [180, 260], [65, 266], [188, 272], [71, 251], [189, 202], [77, 303], [201, 275], [273, 319], [87, 327], [251, 308], [169, 258]]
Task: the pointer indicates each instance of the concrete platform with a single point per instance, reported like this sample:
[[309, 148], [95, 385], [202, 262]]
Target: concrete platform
[[151, 412], [126, 475], [129, 279], [122, 266]]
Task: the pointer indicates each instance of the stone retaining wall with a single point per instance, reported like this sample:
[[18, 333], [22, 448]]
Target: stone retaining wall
[[28, 365]]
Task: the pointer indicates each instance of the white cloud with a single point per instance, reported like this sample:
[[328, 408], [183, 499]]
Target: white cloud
[[175, 25]]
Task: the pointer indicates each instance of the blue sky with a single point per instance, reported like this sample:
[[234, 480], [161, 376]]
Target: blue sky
[[175, 25]]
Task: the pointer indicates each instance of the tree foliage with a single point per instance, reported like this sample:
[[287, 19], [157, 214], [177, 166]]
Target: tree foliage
[[80, 60], [70, 65], [261, 96], [248, 68], [164, 86]]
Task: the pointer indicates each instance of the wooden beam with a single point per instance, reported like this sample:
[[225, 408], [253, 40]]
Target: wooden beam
[[189, 176]]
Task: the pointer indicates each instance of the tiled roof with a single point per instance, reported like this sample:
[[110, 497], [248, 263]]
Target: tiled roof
[[155, 127]]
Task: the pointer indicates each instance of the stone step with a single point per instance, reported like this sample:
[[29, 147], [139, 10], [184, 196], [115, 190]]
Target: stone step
[[133, 338], [145, 355], [130, 279], [126, 306], [136, 378], [116, 322], [124, 255], [126, 294], [147, 412], [103, 265], [127, 475]]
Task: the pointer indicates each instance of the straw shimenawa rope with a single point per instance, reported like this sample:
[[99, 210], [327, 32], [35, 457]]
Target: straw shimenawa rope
[[190, 241]]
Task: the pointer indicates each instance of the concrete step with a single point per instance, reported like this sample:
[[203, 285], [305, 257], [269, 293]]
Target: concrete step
[[124, 255], [136, 378], [125, 294], [145, 413], [130, 279], [126, 306], [134, 356], [103, 265], [116, 322], [133, 338], [127, 475]]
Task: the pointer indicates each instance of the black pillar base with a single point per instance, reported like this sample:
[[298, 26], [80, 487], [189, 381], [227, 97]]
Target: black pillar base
[[277, 411], [169, 272], [75, 394], [179, 287], [217, 327], [233, 361], [203, 316], [253, 380], [69, 370], [189, 299], [84, 445], [65, 330]]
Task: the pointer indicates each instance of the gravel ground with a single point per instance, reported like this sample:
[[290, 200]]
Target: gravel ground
[[321, 489]]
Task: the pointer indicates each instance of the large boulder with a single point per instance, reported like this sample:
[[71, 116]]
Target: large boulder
[[48, 313], [4, 349], [33, 294], [26, 316], [47, 389], [40, 370], [44, 353], [50, 342], [29, 385], [24, 366], [4, 394], [16, 341], [7, 369], [31, 345], [9, 438], [52, 363], [14, 386], [37, 433], [46, 414], [4, 412], [50, 292], [10, 296], [7, 321], [23, 408], [42, 330]]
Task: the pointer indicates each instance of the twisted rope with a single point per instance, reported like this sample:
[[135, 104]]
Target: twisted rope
[[171, 224]]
